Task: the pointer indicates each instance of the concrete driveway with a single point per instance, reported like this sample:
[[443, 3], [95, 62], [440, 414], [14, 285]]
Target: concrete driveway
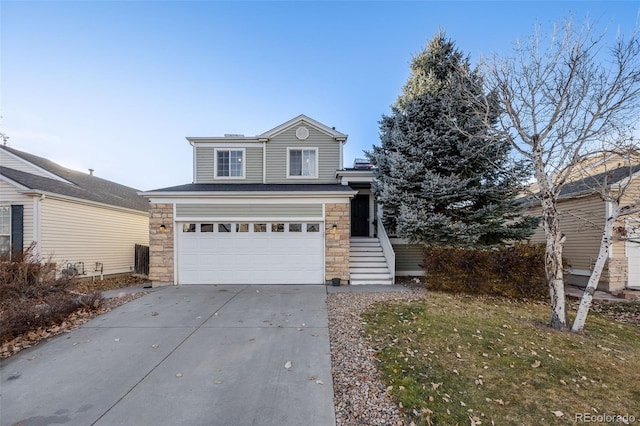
[[190, 355]]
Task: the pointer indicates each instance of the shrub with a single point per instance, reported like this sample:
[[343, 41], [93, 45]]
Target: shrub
[[33, 296], [516, 271]]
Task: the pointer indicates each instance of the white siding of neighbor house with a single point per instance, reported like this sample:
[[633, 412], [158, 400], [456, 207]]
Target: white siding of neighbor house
[[409, 257], [252, 210], [582, 221], [12, 162], [328, 156], [77, 232], [205, 163], [9, 196]]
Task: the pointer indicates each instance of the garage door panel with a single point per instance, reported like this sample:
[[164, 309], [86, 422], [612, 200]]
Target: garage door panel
[[250, 257]]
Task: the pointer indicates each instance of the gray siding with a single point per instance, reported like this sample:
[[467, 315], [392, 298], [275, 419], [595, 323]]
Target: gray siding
[[409, 257], [582, 221], [248, 210], [328, 156], [205, 159]]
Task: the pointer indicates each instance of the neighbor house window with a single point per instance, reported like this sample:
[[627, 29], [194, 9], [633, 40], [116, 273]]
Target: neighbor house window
[[303, 162], [230, 163], [5, 230]]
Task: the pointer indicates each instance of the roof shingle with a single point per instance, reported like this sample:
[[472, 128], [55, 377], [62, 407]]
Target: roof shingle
[[82, 186]]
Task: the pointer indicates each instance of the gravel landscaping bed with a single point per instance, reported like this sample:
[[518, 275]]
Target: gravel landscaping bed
[[360, 397]]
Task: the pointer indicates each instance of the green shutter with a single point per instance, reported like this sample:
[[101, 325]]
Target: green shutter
[[17, 230]]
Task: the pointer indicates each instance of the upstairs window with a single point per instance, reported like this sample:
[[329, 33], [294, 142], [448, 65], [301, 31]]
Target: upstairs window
[[229, 163], [303, 163]]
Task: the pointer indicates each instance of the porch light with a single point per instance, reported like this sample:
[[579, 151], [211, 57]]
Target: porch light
[[163, 228]]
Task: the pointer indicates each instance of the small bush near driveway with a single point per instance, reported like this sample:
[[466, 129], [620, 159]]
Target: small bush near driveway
[[472, 360], [33, 299]]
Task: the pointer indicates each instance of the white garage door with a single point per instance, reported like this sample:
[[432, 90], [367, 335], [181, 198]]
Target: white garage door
[[250, 253]]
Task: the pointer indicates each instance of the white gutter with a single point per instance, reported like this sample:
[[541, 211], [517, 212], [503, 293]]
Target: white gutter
[[244, 194]]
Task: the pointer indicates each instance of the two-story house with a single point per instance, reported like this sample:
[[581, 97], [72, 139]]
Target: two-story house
[[273, 208]]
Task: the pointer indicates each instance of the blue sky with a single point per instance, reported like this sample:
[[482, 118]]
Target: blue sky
[[117, 86]]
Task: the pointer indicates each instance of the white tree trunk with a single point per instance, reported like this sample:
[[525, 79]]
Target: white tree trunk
[[594, 278], [553, 264]]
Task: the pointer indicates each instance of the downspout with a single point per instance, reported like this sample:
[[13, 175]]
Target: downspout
[[175, 248], [36, 224]]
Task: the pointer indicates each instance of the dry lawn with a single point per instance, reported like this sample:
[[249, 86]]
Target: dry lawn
[[467, 360]]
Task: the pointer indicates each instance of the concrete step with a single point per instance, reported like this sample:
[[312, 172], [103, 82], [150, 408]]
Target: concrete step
[[365, 282], [359, 264], [362, 239], [370, 270], [367, 249], [366, 254], [368, 276]]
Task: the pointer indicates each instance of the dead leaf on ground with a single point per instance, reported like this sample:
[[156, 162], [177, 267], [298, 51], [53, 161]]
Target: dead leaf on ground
[[535, 364]]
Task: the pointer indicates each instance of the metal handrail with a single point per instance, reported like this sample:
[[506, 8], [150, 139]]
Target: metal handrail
[[385, 243]]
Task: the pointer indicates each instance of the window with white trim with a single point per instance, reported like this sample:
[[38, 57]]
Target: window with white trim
[[303, 162], [5, 231], [229, 163]]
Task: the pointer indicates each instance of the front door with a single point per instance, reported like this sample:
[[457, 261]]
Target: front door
[[360, 216]]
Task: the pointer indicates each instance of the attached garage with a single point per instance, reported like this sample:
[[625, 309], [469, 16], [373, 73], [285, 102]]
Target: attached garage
[[256, 252]]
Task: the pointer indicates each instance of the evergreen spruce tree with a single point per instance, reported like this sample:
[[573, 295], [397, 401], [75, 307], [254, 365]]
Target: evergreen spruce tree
[[437, 185]]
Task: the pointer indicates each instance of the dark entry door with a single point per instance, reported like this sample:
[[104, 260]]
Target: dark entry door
[[360, 216]]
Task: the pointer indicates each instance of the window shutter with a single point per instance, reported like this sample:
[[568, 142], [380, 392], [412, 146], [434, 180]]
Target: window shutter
[[17, 230]]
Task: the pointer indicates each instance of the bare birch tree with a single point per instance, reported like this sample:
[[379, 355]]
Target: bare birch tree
[[563, 95], [613, 181]]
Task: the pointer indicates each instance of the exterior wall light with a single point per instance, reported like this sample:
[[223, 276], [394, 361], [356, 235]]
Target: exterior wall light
[[163, 228]]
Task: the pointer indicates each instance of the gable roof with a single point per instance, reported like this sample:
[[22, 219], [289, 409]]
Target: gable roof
[[589, 185], [264, 137], [78, 185], [303, 119]]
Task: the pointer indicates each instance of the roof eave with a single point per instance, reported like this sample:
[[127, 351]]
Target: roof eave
[[238, 194]]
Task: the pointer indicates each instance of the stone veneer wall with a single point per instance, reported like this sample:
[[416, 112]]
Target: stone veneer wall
[[337, 241], [161, 244], [615, 274]]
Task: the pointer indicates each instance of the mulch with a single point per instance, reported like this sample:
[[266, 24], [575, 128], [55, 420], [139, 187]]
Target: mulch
[[79, 317]]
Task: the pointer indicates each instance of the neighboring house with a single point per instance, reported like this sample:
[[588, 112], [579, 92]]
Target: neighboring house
[[271, 208], [75, 219], [583, 214]]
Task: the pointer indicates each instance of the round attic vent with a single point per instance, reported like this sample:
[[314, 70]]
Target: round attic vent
[[302, 133]]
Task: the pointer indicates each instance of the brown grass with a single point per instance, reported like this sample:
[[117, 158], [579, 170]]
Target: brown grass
[[470, 360]]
